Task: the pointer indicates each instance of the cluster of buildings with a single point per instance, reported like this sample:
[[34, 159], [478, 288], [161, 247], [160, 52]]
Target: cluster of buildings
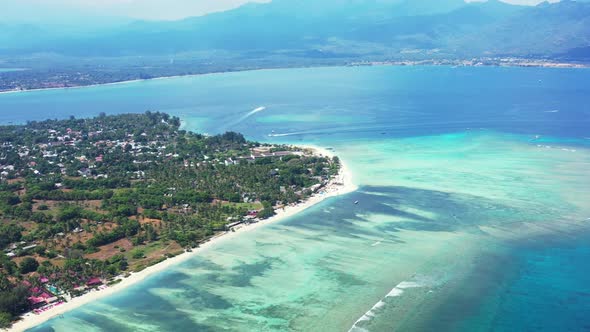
[[250, 217], [46, 296], [15, 248], [474, 62], [43, 295], [63, 148]]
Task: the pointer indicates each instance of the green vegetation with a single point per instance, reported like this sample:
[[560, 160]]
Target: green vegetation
[[82, 199], [29, 264]]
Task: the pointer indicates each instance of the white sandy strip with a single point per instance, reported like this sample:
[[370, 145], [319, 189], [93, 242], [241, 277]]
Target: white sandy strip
[[341, 184]]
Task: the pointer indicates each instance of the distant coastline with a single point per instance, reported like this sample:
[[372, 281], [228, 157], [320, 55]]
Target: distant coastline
[[339, 185], [476, 62]]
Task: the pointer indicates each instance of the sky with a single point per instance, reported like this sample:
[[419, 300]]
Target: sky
[[56, 10], [40, 11]]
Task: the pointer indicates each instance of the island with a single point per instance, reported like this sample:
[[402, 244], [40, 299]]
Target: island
[[87, 203]]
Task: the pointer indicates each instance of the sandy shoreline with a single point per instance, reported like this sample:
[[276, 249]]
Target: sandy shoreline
[[341, 184]]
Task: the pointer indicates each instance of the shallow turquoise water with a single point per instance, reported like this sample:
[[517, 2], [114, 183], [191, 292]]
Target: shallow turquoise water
[[466, 218]]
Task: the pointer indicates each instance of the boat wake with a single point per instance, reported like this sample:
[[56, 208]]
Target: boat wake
[[247, 115], [273, 134], [252, 112], [395, 291], [256, 110], [552, 111]]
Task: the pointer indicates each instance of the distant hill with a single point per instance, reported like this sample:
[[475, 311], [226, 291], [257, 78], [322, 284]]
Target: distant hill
[[544, 30], [354, 29]]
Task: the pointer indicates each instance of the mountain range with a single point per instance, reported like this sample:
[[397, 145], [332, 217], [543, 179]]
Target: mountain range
[[352, 29]]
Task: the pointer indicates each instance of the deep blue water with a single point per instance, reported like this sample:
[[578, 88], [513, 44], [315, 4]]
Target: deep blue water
[[539, 286], [551, 291], [543, 285], [344, 103]]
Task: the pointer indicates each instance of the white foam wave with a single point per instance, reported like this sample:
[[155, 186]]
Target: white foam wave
[[366, 317], [409, 284], [394, 292], [552, 111]]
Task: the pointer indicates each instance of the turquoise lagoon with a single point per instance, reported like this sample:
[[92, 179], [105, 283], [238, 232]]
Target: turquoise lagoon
[[473, 214]]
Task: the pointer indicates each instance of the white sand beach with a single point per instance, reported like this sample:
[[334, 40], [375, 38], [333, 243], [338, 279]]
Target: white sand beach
[[339, 185]]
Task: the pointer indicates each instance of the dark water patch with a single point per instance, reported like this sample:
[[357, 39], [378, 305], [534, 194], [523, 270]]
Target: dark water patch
[[176, 282], [345, 279], [413, 209], [96, 319], [42, 328], [341, 217], [241, 275], [194, 297], [274, 311], [448, 211], [244, 273], [199, 262], [142, 308], [197, 297], [263, 244]]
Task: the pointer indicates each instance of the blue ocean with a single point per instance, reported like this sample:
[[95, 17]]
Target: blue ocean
[[473, 214]]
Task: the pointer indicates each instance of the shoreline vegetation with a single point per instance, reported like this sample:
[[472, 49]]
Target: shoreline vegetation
[[88, 206], [339, 185], [476, 62]]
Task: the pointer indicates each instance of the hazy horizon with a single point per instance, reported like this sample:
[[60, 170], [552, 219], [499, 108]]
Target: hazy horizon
[[70, 11]]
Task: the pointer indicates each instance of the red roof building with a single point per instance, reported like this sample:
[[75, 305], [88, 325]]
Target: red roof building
[[94, 282]]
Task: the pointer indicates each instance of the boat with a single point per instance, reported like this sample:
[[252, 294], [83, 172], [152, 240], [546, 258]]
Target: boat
[[356, 202]]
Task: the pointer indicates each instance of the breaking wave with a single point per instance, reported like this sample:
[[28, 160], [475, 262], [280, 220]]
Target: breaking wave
[[394, 292]]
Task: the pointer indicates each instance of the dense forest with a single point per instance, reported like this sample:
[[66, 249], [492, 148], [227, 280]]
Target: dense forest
[[82, 201]]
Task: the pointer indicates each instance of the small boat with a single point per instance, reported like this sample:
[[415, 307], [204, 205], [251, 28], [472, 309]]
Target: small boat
[[356, 202]]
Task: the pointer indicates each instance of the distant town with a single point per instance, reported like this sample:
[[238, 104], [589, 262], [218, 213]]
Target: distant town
[[477, 62]]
